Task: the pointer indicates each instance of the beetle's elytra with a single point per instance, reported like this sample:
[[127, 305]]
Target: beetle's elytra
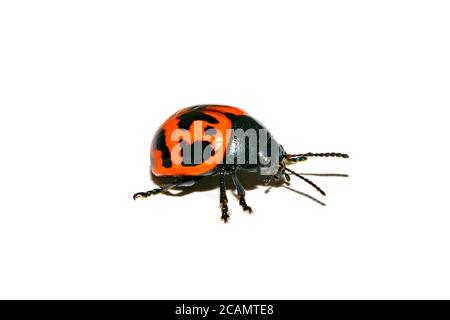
[[207, 140]]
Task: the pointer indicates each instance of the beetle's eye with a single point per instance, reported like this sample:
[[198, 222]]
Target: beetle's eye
[[295, 158]]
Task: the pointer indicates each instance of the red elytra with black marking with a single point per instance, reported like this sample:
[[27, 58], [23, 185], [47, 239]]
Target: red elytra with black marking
[[207, 140], [167, 163]]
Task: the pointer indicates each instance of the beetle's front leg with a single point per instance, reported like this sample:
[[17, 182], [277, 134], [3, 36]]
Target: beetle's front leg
[[223, 196], [278, 175]]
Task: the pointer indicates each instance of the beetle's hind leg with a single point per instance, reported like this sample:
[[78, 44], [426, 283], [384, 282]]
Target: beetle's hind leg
[[152, 192], [223, 196], [241, 193], [176, 183]]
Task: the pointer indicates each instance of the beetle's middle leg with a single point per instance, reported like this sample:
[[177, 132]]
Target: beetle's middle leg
[[223, 196], [241, 193], [180, 182]]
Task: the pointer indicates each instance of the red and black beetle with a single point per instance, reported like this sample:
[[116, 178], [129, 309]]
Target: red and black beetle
[[207, 140]]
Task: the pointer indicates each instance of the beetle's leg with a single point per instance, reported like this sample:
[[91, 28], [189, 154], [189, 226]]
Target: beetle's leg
[[177, 183], [223, 196], [153, 191], [278, 175], [241, 193]]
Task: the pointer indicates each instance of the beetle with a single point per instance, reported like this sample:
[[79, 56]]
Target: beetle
[[219, 140]]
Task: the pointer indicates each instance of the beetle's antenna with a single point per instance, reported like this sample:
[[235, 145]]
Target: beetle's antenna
[[306, 180], [304, 156], [327, 154]]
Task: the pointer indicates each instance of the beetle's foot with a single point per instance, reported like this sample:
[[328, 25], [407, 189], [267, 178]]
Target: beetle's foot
[[244, 205], [140, 195], [268, 180], [225, 218], [287, 177], [147, 193], [225, 215]]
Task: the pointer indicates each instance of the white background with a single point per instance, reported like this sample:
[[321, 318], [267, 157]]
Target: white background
[[85, 84]]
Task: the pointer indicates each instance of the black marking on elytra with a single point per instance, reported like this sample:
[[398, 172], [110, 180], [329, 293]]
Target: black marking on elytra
[[244, 122], [160, 144], [188, 118], [182, 146], [189, 157], [231, 116]]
